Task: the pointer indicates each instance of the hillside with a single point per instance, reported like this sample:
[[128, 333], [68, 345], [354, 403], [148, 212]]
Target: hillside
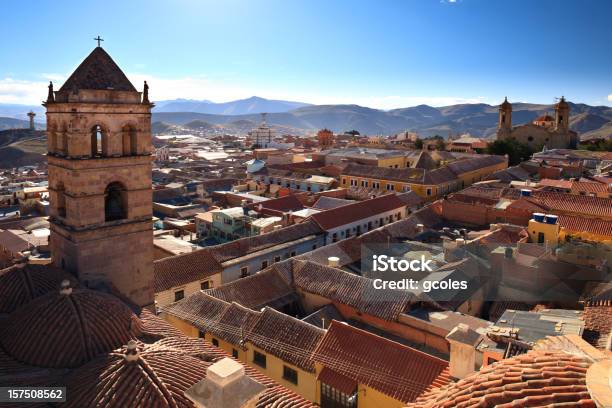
[[250, 105], [12, 123], [20, 147], [477, 119]]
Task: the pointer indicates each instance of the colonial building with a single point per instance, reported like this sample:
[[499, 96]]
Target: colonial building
[[99, 150], [544, 131]]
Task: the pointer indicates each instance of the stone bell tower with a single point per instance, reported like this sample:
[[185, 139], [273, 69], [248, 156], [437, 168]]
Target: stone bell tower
[[505, 115], [99, 153]]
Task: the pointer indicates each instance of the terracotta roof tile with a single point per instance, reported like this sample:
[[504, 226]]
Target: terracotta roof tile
[[22, 283], [347, 214], [57, 330], [179, 270], [286, 337], [589, 225], [400, 372], [198, 309], [539, 378]]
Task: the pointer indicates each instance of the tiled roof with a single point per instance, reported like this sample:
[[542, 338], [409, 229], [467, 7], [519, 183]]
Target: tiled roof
[[591, 206], [353, 212], [67, 330], [98, 71], [406, 175], [400, 372], [565, 184], [255, 291], [352, 290], [159, 378], [468, 165], [199, 309], [233, 324], [22, 283], [582, 224], [327, 203], [179, 270], [244, 246], [286, 337], [287, 203], [588, 187], [539, 378], [598, 324]]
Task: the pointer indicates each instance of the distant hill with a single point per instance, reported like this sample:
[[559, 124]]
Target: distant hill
[[198, 124], [12, 123], [477, 119], [251, 105], [20, 147]]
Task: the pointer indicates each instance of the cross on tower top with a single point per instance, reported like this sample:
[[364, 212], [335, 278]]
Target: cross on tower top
[[98, 39]]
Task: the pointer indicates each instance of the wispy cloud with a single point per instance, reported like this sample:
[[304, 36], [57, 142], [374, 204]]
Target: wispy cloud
[[610, 98], [200, 87]]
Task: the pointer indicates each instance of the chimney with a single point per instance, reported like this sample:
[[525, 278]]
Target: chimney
[[460, 242], [463, 341], [226, 385], [333, 261]]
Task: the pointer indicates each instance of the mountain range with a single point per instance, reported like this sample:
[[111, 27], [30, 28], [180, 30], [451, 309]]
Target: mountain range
[[477, 119]]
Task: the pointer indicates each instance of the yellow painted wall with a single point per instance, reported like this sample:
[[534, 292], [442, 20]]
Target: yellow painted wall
[[167, 297], [399, 161], [185, 328], [307, 381], [420, 189], [550, 231], [228, 347], [370, 398]]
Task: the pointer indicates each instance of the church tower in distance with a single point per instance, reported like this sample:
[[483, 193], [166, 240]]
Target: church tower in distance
[[99, 153]]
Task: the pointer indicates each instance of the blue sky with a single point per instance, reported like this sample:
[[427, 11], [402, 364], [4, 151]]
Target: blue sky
[[382, 54]]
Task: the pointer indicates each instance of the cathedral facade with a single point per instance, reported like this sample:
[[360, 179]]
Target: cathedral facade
[[545, 131]]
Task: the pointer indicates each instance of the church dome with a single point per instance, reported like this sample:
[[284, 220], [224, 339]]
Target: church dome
[[67, 327], [20, 284], [136, 375]]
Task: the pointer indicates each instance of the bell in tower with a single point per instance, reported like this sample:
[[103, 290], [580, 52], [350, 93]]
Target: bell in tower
[[505, 115], [99, 154]]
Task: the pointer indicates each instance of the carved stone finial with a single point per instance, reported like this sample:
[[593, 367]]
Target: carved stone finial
[[145, 94], [50, 96]]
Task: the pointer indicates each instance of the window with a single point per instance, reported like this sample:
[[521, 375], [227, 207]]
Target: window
[[390, 187], [290, 375], [205, 285], [264, 264], [405, 189], [277, 258], [333, 398], [343, 181], [540, 237], [259, 359], [215, 342], [293, 253], [314, 247], [201, 334], [429, 191], [244, 271], [235, 353], [115, 202], [98, 141], [129, 140], [178, 295]]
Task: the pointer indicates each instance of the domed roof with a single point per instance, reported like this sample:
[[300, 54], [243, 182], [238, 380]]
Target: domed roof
[[67, 327], [19, 284], [545, 118], [136, 375], [537, 378]]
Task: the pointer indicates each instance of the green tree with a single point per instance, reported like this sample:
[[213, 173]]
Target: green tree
[[418, 144], [517, 152]]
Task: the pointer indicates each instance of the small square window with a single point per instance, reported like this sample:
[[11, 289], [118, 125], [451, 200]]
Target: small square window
[[259, 359], [178, 295], [201, 334], [290, 375], [235, 353], [277, 258], [264, 265], [244, 271], [205, 285], [215, 342]]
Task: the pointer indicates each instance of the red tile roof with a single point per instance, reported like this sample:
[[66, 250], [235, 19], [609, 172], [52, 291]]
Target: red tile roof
[[351, 290], [199, 309], [179, 270], [583, 224], [598, 324], [286, 337], [63, 331], [539, 378], [565, 184], [22, 283], [588, 187], [400, 372], [347, 214]]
